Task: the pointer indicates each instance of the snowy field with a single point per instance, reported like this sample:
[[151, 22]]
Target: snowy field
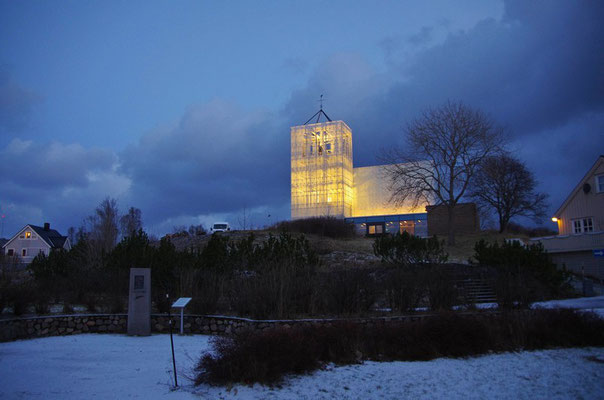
[[118, 367]]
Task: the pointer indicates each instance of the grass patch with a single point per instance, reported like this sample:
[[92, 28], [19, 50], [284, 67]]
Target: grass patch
[[265, 357]]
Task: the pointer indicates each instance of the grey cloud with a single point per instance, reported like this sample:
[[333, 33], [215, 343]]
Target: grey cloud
[[51, 165], [217, 159], [55, 182], [16, 104]]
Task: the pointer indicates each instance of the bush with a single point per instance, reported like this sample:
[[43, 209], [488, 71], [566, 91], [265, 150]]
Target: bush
[[331, 227], [404, 289], [276, 280], [266, 356], [348, 291], [405, 249], [524, 273]]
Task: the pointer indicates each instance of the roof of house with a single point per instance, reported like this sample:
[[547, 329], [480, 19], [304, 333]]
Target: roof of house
[[50, 236], [579, 186]]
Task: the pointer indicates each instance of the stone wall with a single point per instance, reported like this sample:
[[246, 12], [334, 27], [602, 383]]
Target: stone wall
[[466, 219], [34, 327]]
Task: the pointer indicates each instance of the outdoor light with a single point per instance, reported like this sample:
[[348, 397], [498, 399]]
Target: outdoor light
[[554, 219]]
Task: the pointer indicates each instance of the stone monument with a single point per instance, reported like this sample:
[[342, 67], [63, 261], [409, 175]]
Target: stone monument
[[139, 302]]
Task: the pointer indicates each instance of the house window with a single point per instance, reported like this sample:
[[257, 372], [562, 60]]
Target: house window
[[328, 148], [375, 229], [311, 148], [11, 252], [28, 235], [583, 225], [23, 252], [600, 184]]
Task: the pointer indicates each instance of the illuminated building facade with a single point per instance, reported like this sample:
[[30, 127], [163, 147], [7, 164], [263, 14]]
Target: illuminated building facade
[[325, 183], [321, 170]]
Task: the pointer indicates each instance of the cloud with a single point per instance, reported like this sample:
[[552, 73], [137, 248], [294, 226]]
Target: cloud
[[16, 104], [217, 159], [55, 182], [51, 165]]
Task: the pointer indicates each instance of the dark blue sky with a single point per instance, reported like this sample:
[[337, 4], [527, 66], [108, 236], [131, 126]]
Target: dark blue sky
[[183, 108]]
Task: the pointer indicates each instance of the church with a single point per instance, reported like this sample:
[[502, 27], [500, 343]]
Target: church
[[324, 182]]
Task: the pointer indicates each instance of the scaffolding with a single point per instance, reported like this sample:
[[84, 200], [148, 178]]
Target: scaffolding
[[321, 170]]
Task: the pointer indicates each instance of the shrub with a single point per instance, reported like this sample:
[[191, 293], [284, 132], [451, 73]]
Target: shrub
[[348, 291], [524, 273], [442, 293], [266, 356], [405, 249], [278, 279], [404, 289], [324, 226]]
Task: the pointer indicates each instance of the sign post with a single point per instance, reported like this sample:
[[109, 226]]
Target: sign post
[[181, 303]]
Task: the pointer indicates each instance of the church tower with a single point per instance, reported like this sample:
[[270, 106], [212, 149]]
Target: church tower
[[321, 169]]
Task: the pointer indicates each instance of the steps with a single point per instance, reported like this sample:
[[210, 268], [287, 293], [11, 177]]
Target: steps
[[478, 290]]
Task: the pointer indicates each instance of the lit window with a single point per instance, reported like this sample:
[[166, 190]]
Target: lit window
[[583, 225], [600, 183], [28, 235], [375, 229]]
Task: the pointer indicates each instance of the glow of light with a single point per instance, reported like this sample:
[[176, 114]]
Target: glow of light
[[554, 219]]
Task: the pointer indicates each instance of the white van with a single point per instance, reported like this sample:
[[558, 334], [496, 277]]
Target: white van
[[220, 227]]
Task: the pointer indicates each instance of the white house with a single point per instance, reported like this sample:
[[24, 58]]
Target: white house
[[579, 245], [32, 240]]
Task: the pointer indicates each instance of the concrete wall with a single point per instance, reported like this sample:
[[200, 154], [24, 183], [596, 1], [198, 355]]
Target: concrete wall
[[466, 219]]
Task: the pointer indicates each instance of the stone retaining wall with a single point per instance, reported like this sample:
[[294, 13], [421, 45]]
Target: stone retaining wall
[[58, 325]]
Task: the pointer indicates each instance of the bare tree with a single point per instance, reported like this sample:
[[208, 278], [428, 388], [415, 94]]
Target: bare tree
[[504, 185], [104, 223], [131, 222], [442, 152]]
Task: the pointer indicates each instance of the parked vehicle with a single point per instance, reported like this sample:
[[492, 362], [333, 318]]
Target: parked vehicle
[[220, 227]]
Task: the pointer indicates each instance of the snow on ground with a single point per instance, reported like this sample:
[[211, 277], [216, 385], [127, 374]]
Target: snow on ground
[[594, 304], [120, 366]]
